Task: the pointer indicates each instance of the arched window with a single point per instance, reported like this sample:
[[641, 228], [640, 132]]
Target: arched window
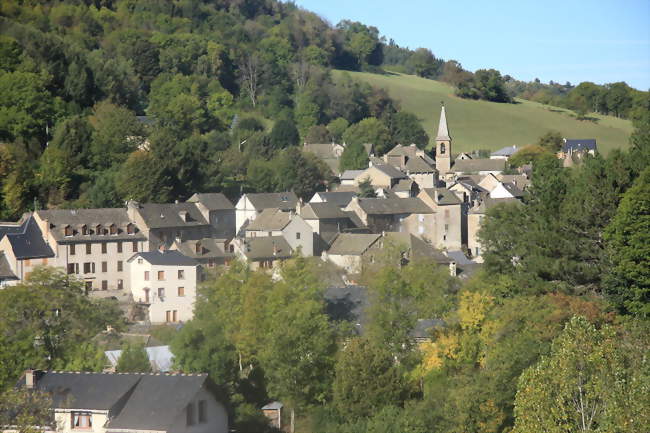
[[442, 148]]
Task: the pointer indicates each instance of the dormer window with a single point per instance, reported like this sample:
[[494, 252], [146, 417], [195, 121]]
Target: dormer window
[[130, 229], [113, 229], [185, 216], [98, 229], [84, 229], [68, 230], [198, 248]]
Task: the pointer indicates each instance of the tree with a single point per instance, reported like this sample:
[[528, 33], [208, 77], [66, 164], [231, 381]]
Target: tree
[[527, 155], [628, 245], [134, 359], [354, 157], [25, 410], [116, 134], [366, 190], [249, 68], [284, 134], [142, 179], [424, 63], [369, 130], [318, 134], [337, 127], [367, 379], [551, 141], [406, 128], [583, 385], [302, 173]]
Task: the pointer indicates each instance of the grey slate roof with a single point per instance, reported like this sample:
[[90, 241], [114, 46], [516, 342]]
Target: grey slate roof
[[270, 219], [513, 189], [212, 201], [165, 258], [393, 206], [58, 219], [352, 243], [29, 242], [165, 215], [505, 151], [442, 196], [347, 303], [350, 174], [325, 210], [476, 165], [267, 248], [417, 247], [10, 227], [581, 144], [210, 249], [418, 164], [279, 200], [340, 198], [403, 185], [391, 171]]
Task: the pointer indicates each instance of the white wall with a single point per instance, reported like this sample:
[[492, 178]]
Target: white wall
[[217, 418]]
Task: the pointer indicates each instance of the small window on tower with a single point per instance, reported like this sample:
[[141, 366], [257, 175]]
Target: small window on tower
[[442, 148]]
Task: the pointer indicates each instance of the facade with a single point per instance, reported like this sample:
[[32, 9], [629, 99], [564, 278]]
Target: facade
[[392, 214], [250, 206], [93, 244], [275, 222], [22, 249], [475, 217], [327, 220], [130, 402], [347, 250], [263, 252], [166, 282], [445, 230], [417, 165], [218, 211]]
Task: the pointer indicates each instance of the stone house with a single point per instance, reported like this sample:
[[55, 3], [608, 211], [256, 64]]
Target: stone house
[[393, 214], [381, 176], [446, 226], [208, 252], [347, 250], [93, 244], [265, 252], [417, 165], [166, 282], [22, 248], [290, 225], [475, 217], [327, 220], [218, 211], [130, 402], [250, 206]]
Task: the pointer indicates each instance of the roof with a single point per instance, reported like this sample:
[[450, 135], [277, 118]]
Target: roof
[[390, 171], [403, 185], [58, 219], [476, 165], [210, 248], [322, 150], [393, 206], [160, 357], [10, 227], [340, 198], [350, 174], [579, 144], [28, 243], [519, 180], [423, 327], [5, 270], [352, 243], [418, 248], [279, 200], [442, 196], [513, 189], [489, 202], [443, 129], [505, 151], [266, 248], [324, 210], [347, 303], [419, 164], [270, 219], [212, 201], [274, 405], [165, 258], [164, 215]]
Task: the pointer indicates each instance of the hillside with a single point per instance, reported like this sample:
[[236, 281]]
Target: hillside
[[488, 125]]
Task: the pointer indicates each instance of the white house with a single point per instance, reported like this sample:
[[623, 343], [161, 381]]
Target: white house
[[250, 206], [130, 402], [166, 282]]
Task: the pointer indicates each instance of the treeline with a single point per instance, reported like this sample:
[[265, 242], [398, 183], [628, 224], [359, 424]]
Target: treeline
[[226, 93]]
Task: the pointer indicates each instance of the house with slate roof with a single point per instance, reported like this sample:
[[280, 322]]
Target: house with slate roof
[[208, 252], [165, 282], [417, 165], [218, 211], [348, 248], [22, 248], [327, 220], [339, 198], [393, 214], [445, 225], [130, 402], [381, 176], [504, 152], [263, 252], [251, 205], [574, 150], [290, 225]]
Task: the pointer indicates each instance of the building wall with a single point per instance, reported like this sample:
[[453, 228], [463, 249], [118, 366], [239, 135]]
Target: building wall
[[424, 180], [217, 418], [183, 305], [421, 225], [351, 264], [377, 178], [473, 244], [448, 227], [299, 234], [244, 211], [223, 221], [63, 418]]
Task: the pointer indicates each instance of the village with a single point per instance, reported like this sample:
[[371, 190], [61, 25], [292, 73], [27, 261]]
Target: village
[[152, 257]]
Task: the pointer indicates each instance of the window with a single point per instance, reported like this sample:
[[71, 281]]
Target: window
[[89, 248], [119, 247], [442, 148], [203, 411], [98, 229], [130, 229], [146, 275], [140, 261], [120, 266], [161, 275], [71, 268], [89, 285], [84, 229], [161, 293], [297, 235], [120, 284], [175, 316], [104, 266], [478, 251], [104, 285], [168, 316], [181, 291], [68, 231], [89, 268], [231, 248], [197, 248], [81, 420], [104, 247], [113, 229], [446, 228], [72, 250], [181, 274], [135, 247]]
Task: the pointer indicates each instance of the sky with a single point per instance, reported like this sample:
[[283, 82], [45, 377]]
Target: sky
[[569, 40]]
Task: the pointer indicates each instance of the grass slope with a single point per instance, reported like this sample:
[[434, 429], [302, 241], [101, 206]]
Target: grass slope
[[489, 125]]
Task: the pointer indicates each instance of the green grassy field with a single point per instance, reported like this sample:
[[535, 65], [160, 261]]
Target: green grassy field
[[489, 125]]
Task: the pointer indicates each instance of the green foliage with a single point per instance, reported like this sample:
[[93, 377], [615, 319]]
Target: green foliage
[[318, 134], [25, 410], [551, 141], [354, 157], [406, 128], [133, 359], [485, 84], [369, 130], [527, 155], [46, 319], [366, 190], [367, 379], [142, 180], [337, 127], [628, 247], [284, 134]]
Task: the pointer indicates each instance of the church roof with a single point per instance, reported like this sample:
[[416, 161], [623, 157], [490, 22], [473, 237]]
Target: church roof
[[443, 130]]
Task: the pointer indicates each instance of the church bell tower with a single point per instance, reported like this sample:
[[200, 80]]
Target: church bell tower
[[443, 145]]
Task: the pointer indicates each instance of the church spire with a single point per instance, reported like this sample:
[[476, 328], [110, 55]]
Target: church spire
[[443, 130]]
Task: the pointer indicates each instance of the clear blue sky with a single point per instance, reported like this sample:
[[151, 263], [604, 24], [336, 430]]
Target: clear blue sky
[[569, 40]]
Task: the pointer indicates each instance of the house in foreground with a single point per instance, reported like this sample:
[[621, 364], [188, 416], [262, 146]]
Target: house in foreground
[[130, 402]]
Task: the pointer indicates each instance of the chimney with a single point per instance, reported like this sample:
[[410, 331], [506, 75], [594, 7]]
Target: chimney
[[299, 206], [30, 378]]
